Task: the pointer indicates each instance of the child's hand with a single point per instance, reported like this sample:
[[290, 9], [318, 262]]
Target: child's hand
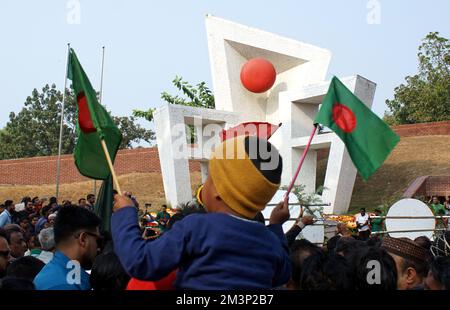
[[280, 213], [121, 201]]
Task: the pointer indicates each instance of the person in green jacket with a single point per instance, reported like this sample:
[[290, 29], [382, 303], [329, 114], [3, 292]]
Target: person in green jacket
[[438, 209], [162, 218]]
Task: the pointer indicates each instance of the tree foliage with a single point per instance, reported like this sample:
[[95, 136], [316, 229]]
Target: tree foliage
[[194, 96], [34, 131], [425, 97]]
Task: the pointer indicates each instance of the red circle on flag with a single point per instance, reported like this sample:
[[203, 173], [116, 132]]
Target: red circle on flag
[[344, 118]]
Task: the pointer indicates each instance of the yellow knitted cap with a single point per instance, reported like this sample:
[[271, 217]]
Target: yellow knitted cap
[[237, 180]]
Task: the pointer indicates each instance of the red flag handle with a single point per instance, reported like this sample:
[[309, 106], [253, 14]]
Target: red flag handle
[[305, 151]]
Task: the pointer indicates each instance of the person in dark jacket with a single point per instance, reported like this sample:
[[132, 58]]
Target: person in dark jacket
[[224, 248]]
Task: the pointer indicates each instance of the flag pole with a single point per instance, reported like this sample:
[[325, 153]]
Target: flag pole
[[58, 163], [302, 159], [100, 99], [111, 167]]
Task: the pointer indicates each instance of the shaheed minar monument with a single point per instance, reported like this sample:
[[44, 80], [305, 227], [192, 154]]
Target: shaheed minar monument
[[293, 100]]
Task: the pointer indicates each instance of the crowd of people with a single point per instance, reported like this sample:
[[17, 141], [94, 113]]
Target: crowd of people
[[219, 241], [27, 240]]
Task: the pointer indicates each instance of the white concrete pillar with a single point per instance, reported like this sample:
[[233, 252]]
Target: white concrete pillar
[[170, 132]]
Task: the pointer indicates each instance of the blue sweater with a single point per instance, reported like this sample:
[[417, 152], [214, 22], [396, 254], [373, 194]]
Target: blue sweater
[[62, 274], [211, 251]]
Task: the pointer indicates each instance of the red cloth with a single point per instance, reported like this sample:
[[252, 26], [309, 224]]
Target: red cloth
[[259, 129], [165, 283]]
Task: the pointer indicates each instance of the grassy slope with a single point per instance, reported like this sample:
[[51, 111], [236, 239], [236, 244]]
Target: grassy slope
[[413, 157]]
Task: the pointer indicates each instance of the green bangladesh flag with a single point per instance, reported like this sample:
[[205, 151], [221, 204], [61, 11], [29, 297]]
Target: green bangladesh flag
[[104, 204], [94, 124], [367, 138]]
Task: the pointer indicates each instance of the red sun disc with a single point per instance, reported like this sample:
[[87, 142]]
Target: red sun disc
[[344, 118], [258, 75], [84, 116]]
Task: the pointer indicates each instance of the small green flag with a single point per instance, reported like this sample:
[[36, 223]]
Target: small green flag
[[94, 124], [104, 204], [367, 138]]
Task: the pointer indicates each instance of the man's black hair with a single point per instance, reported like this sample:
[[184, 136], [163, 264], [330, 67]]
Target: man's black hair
[[52, 200], [424, 242], [26, 218], [46, 209], [26, 200], [72, 219], [11, 229], [108, 274], [364, 259], [440, 269], [300, 250], [325, 272], [8, 203], [89, 196], [338, 272], [16, 284], [257, 156], [346, 245], [374, 240], [332, 242], [26, 267], [79, 200]]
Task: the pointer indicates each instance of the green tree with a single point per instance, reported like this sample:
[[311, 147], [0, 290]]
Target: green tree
[[426, 96], [194, 96], [34, 131], [132, 132]]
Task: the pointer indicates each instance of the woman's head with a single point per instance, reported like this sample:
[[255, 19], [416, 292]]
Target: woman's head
[[107, 273]]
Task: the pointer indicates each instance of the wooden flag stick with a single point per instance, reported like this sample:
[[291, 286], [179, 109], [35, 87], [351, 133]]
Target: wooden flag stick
[[111, 167], [286, 197]]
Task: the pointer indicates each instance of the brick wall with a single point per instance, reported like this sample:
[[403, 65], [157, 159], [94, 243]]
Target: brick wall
[[428, 186], [42, 170], [438, 186], [423, 129], [413, 130]]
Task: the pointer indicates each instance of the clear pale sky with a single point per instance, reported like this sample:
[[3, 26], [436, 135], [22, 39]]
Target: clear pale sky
[[149, 42]]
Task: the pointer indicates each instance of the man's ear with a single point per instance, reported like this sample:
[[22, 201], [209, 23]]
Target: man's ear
[[411, 275], [82, 239]]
